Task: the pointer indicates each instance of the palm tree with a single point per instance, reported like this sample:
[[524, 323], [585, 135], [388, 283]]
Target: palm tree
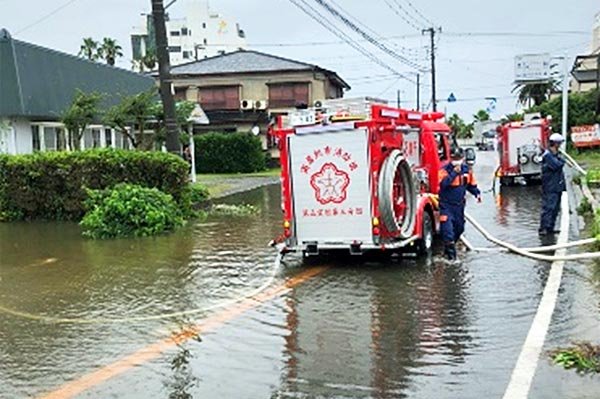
[[89, 49], [481, 116], [110, 50], [536, 92], [149, 59]]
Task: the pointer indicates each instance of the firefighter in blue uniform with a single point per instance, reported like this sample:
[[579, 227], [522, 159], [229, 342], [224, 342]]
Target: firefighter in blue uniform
[[456, 178], [553, 184]]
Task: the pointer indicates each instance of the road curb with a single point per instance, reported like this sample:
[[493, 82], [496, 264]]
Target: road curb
[[524, 371]]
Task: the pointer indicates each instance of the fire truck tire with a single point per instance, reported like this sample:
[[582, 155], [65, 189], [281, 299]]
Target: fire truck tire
[[397, 194], [425, 243]]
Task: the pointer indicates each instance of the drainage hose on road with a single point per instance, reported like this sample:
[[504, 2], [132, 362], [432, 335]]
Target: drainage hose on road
[[530, 252], [171, 315]]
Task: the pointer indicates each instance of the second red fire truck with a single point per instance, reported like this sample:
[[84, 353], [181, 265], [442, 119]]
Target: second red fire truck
[[358, 175], [520, 148]]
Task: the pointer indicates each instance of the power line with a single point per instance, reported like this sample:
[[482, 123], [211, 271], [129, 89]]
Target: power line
[[402, 14], [515, 33], [427, 20], [311, 12], [51, 13], [328, 43], [366, 36], [357, 21]]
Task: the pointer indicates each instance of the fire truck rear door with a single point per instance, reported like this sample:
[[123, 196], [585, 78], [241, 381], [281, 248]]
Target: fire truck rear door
[[331, 186]]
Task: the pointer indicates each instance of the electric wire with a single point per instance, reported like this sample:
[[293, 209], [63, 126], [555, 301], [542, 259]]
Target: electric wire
[[423, 17], [311, 12], [402, 14], [45, 17], [337, 14]]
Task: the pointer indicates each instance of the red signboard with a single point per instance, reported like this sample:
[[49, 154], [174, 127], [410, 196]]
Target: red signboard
[[585, 136]]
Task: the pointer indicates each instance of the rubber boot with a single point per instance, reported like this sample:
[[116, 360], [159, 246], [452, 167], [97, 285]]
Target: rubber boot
[[450, 251]]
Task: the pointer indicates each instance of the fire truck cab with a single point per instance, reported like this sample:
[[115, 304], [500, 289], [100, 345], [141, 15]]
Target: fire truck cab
[[358, 175], [520, 148]]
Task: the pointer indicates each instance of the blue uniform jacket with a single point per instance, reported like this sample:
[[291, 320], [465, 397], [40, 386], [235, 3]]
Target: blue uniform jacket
[[553, 178], [453, 185]]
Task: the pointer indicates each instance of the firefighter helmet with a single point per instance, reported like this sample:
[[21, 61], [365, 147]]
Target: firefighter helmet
[[556, 138], [457, 153]]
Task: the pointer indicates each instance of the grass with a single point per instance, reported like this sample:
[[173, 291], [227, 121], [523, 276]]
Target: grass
[[220, 183], [583, 357], [588, 158], [219, 176]]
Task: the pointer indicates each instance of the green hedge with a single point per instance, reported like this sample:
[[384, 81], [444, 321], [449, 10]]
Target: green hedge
[[229, 153], [52, 185], [130, 210]]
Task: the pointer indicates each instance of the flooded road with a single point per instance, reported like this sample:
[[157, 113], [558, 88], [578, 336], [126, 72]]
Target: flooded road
[[414, 328]]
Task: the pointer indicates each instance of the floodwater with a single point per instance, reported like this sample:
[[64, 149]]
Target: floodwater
[[379, 329]]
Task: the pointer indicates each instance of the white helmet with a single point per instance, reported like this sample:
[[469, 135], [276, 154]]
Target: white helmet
[[557, 138]]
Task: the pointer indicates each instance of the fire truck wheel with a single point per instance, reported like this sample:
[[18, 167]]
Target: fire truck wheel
[[425, 243], [397, 196]]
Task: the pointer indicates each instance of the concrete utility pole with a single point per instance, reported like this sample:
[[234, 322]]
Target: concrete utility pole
[[398, 98], [418, 91], [432, 31], [164, 75], [565, 97]]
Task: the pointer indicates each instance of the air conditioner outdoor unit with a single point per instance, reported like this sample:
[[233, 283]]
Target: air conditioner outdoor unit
[[261, 104], [247, 105]]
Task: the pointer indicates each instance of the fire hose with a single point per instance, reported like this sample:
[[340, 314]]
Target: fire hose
[[531, 252], [393, 164]]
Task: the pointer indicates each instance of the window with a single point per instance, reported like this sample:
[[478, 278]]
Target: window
[[108, 137], [205, 41], [95, 138], [35, 138], [87, 139], [187, 54], [50, 138], [175, 33], [180, 93], [174, 49], [288, 95], [61, 139], [441, 143], [203, 25], [184, 32], [222, 98]]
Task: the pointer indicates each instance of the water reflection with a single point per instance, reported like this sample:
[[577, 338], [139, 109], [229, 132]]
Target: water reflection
[[355, 333]]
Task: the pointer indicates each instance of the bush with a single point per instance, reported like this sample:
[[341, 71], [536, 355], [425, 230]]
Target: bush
[[51, 185], [229, 153], [130, 210], [198, 194]]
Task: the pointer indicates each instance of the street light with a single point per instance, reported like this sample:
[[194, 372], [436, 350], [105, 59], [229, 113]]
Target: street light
[[197, 117]]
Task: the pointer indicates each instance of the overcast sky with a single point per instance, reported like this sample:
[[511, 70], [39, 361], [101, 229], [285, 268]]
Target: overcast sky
[[472, 65]]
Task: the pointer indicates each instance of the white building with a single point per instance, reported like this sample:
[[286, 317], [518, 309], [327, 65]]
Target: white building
[[596, 35], [37, 85], [586, 67], [200, 34]]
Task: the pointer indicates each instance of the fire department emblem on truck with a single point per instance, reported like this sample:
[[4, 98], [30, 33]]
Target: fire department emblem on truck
[[330, 184]]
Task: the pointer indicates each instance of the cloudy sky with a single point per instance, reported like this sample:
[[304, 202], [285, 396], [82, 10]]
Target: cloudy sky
[[476, 48]]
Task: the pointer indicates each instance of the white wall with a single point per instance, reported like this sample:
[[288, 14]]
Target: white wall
[[206, 26], [15, 136]]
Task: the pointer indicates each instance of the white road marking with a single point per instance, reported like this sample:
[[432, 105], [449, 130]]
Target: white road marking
[[524, 371]]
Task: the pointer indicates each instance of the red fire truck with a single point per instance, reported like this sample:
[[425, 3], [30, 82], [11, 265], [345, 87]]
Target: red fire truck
[[359, 175], [520, 148]]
